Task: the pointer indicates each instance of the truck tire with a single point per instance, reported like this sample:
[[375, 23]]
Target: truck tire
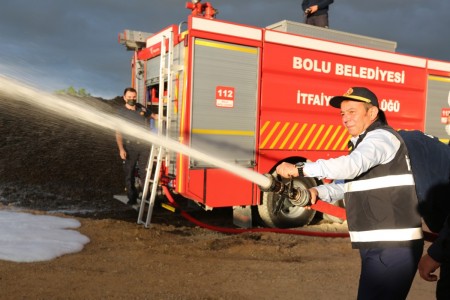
[[289, 216]]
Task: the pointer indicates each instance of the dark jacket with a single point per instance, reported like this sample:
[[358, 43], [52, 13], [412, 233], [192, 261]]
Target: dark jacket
[[440, 249], [138, 117], [322, 6], [430, 161]]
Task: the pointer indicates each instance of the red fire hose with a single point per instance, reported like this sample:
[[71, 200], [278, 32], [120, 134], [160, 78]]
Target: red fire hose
[[242, 230], [319, 206]]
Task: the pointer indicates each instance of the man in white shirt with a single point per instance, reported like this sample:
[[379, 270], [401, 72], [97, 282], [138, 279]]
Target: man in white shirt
[[379, 195]]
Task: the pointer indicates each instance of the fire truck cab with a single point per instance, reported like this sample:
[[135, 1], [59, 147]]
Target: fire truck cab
[[259, 96]]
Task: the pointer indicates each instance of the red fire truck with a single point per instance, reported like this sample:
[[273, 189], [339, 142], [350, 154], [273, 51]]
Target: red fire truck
[[259, 96]]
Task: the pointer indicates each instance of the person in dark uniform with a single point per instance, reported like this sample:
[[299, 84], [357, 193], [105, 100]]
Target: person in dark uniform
[[430, 162], [316, 12], [379, 194], [131, 150], [438, 256]]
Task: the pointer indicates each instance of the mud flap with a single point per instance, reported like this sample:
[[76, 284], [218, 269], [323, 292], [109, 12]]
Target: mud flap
[[242, 216]]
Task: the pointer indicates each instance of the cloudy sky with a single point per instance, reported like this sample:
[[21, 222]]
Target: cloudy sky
[[55, 44]]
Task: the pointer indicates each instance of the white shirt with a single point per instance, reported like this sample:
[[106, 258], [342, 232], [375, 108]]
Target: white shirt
[[378, 147]]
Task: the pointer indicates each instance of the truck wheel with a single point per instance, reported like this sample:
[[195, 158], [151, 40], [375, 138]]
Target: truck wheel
[[289, 216]]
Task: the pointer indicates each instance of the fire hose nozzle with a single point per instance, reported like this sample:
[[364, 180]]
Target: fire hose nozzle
[[297, 196], [274, 185]]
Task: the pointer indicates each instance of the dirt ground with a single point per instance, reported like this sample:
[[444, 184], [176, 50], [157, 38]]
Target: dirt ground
[[169, 261], [51, 166]]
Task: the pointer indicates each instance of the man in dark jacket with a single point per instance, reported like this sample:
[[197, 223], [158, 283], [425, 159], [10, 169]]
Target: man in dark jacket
[[316, 12], [430, 162], [131, 151]]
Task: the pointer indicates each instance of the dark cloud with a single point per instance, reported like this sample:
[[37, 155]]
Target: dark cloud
[[58, 43], [418, 27]]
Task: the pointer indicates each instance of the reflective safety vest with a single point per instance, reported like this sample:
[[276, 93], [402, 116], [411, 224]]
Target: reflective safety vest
[[381, 203]]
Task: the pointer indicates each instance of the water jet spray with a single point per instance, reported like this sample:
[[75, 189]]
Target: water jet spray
[[84, 113]]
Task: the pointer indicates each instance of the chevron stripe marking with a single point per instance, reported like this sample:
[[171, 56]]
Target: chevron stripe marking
[[316, 137], [279, 135], [324, 137], [294, 142], [307, 136], [288, 137], [270, 134]]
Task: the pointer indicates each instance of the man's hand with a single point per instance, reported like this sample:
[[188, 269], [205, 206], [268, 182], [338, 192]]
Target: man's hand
[[287, 170], [123, 154], [313, 193], [427, 266], [312, 9]]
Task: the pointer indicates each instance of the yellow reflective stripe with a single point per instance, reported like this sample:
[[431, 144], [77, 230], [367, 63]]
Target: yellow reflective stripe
[[270, 134], [223, 132], [324, 137], [289, 135], [297, 136], [439, 78], [307, 136], [264, 128], [183, 120], [344, 134], [379, 182], [387, 235], [226, 46], [279, 135], [315, 137]]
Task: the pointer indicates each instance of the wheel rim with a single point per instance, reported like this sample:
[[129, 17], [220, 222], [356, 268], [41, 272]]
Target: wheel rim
[[289, 216]]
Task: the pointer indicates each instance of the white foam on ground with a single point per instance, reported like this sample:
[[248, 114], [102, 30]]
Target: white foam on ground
[[26, 237]]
